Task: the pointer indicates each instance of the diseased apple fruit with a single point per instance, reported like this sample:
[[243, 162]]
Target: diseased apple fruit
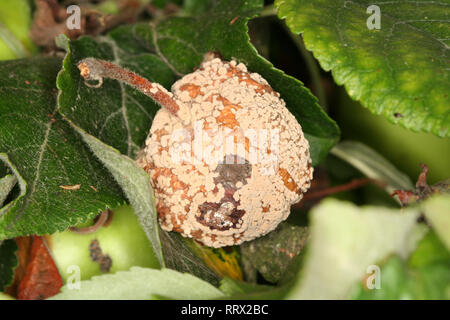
[[218, 177]]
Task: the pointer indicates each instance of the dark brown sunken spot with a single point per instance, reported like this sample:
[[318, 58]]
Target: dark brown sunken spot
[[220, 216], [233, 169], [96, 254], [225, 214]]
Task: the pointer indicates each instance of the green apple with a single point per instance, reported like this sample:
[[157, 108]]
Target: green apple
[[15, 21], [123, 240], [4, 296], [404, 148]]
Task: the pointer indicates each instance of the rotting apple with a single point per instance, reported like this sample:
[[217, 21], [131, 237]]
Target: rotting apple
[[123, 241], [236, 184]]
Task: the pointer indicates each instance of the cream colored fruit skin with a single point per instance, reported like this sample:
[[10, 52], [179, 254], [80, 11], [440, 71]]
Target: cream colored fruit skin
[[265, 196]]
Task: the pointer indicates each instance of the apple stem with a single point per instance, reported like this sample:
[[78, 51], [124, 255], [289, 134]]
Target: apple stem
[[356, 183], [96, 69]]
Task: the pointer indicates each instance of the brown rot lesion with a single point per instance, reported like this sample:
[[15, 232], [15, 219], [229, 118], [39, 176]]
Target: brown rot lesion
[[224, 215], [232, 170], [221, 216]]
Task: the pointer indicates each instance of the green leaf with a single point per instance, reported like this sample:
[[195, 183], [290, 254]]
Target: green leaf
[[179, 256], [231, 287], [346, 240], [121, 117], [272, 254], [135, 183], [430, 250], [240, 290], [8, 263], [197, 7], [425, 276], [437, 214], [400, 71], [6, 184], [393, 283], [291, 272], [399, 283], [224, 261], [432, 282], [163, 3], [3, 170], [373, 165], [44, 153], [15, 21], [141, 284]]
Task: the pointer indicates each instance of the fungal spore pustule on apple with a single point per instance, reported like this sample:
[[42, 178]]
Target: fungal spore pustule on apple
[[225, 157]]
